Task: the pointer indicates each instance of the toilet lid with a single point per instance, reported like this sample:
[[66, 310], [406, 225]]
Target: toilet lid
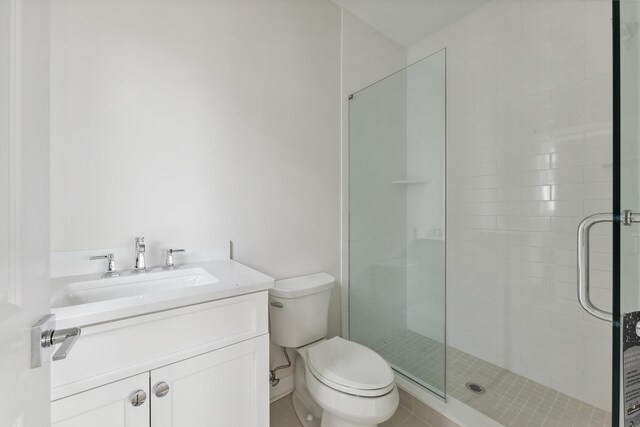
[[350, 367]]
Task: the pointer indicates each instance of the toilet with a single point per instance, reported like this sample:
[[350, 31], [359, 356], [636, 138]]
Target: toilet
[[337, 383]]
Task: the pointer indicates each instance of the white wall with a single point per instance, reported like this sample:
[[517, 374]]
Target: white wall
[[367, 55], [529, 139], [193, 121]]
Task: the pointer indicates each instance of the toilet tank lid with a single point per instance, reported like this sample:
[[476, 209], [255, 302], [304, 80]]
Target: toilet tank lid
[[304, 285]]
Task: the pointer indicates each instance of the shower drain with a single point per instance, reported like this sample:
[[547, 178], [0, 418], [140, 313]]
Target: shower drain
[[475, 387]]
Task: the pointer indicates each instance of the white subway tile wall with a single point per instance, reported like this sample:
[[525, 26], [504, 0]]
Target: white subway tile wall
[[529, 155]]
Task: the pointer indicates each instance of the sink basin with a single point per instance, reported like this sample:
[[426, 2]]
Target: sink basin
[[131, 285], [88, 299]]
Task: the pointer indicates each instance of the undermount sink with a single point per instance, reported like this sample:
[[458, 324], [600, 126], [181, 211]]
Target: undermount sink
[[131, 285]]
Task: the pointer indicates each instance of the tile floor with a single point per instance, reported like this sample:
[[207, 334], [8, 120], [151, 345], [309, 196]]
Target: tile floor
[[283, 415], [510, 399], [416, 357]]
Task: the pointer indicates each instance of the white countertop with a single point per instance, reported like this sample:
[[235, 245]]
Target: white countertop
[[233, 279]]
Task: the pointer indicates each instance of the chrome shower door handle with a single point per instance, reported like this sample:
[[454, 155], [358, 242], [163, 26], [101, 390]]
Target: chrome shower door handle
[[583, 264]]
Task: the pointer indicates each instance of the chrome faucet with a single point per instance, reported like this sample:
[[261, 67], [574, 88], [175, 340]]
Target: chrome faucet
[[140, 265]]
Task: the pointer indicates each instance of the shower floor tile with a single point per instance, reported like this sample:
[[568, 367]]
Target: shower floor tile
[[509, 398]]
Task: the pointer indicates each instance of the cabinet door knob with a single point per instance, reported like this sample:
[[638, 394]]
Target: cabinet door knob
[[138, 397], [161, 389]]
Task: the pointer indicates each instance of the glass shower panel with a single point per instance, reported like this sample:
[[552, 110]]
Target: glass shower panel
[[397, 220]]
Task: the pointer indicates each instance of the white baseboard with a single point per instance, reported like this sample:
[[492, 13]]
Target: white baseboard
[[284, 387]]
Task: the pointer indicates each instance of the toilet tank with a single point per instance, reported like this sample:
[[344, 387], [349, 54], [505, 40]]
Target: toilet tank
[[299, 309]]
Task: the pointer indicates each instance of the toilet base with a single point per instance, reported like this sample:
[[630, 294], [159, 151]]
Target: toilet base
[[306, 408], [305, 415]]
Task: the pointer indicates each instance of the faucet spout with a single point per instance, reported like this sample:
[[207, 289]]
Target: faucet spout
[[140, 265]]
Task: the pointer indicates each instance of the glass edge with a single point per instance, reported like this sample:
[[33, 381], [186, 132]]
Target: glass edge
[[443, 50], [348, 221], [444, 202]]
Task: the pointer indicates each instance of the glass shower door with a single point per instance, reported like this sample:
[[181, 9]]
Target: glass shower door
[[397, 221]]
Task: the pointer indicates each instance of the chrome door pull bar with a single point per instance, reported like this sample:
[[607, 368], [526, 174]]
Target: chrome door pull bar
[[584, 229]]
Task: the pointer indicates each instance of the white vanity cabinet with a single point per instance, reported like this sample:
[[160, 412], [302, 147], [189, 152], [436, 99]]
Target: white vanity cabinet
[[199, 366], [222, 388], [106, 406]]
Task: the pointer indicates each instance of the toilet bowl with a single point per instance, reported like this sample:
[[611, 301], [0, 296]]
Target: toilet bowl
[[337, 383]]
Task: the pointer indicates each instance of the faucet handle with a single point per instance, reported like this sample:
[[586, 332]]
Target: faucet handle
[[111, 266], [140, 246], [168, 263]]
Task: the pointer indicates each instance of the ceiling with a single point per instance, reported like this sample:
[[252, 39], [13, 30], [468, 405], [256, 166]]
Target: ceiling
[[408, 21]]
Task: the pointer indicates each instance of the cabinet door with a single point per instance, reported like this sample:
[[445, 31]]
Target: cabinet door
[[108, 406], [226, 387]]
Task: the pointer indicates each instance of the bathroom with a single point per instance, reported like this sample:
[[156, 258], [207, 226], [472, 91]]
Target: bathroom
[[419, 169]]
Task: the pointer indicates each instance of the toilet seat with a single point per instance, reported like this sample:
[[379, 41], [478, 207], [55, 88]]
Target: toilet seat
[[350, 368]]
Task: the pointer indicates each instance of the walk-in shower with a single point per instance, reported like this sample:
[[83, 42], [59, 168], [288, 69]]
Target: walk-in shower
[[517, 114]]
